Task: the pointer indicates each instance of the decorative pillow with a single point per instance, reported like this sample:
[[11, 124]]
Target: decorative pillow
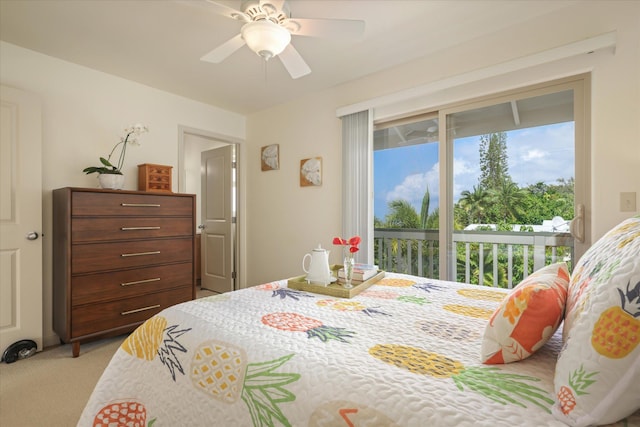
[[597, 378], [527, 317]]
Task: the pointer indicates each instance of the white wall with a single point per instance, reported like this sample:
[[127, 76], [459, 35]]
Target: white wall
[[84, 113], [286, 221]]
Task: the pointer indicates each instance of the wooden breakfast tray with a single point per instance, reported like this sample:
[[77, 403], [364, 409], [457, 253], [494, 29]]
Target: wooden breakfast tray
[[334, 289]]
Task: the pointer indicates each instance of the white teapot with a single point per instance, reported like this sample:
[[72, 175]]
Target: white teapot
[[319, 271]]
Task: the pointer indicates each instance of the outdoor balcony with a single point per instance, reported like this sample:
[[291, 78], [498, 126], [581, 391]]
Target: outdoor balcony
[[490, 258]]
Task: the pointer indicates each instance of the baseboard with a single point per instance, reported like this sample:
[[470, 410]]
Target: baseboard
[[51, 340]]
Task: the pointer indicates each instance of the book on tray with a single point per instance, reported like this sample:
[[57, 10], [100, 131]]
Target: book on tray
[[361, 273]]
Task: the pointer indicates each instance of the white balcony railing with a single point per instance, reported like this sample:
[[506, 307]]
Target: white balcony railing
[[504, 258]]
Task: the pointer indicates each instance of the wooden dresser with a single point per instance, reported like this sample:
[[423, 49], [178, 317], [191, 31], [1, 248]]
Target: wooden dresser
[[119, 257]]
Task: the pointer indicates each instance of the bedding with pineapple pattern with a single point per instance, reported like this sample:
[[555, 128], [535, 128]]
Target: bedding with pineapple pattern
[[405, 352]]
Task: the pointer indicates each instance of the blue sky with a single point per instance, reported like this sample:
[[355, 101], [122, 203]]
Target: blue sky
[[540, 154]]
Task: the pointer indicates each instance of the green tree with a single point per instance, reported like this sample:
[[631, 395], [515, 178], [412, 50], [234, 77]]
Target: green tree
[[474, 204], [509, 201], [545, 201], [424, 212], [433, 220], [402, 215], [494, 167]]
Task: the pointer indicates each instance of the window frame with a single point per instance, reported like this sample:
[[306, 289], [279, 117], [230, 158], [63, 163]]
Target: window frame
[[580, 85]]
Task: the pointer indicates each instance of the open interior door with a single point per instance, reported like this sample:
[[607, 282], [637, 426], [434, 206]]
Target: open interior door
[[218, 219]]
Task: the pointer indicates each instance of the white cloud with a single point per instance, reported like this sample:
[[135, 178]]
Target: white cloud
[[413, 187], [542, 154], [533, 154], [465, 176], [463, 167], [409, 188]]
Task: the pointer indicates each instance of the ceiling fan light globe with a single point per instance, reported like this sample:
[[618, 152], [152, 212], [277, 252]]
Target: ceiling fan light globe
[[265, 38]]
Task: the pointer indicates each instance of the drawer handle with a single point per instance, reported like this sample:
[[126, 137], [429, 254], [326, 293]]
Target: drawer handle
[[141, 253], [138, 310], [137, 282], [140, 205], [139, 228]]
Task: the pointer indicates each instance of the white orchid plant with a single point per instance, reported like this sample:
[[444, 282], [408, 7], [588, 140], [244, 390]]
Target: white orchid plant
[[131, 137]]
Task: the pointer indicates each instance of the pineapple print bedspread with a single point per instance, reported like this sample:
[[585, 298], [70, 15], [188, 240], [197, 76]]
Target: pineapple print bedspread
[[405, 352]]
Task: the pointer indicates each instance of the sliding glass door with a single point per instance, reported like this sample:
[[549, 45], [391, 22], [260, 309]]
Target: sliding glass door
[[497, 199], [406, 195]]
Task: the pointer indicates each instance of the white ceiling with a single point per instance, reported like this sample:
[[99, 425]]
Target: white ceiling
[[159, 42]]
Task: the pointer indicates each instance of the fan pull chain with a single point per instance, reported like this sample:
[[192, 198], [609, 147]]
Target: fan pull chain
[[264, 68]]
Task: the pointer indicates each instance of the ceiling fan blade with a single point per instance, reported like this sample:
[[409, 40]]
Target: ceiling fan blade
[[229, 12], [293, 62], [330, 28], [223, 51]]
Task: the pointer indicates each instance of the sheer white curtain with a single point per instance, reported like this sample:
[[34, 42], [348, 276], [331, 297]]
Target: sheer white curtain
[[357, 181]]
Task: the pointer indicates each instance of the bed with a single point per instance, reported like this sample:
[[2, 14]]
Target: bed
[[404, 352]]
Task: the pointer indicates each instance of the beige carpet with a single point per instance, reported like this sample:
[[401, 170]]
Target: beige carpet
[[51, 388]]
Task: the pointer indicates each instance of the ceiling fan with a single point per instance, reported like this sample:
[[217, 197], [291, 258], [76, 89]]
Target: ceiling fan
[[268, 28]]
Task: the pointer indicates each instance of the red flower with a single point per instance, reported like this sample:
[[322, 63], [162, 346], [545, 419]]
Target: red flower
[[352, 243]]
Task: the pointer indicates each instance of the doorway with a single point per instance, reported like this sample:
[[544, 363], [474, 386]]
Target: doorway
[[193, 144]]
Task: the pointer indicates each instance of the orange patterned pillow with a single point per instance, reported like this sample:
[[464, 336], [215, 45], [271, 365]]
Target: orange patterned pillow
[[527, 317]]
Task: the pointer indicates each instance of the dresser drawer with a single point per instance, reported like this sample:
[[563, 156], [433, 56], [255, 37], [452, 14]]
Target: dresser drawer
[[101, 229], [109, 204], [94, 318], [95, 257], [93, 288]]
